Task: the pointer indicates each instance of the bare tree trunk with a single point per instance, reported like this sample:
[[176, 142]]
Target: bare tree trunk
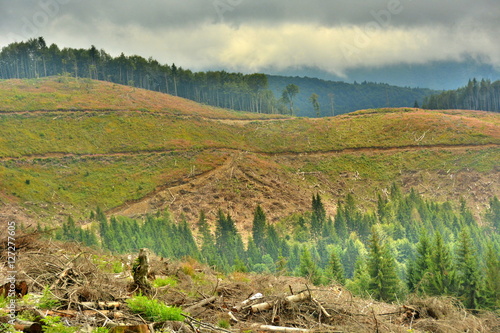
[[140, 272]]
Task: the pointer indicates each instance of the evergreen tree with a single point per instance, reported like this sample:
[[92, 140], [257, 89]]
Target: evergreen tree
[[359, 284], [349, 257], [441, 279], [272, 242], [335, 268], [469, 283], [492, 278], [340, 223], [384, 282], [308, 267], [318, 216], [259, 227], [420, 265]]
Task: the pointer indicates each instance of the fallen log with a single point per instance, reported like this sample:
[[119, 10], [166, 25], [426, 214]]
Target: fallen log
[[130, 329], [279, 328], [29, 328], [102, 305], [200, 304], [291, 299]]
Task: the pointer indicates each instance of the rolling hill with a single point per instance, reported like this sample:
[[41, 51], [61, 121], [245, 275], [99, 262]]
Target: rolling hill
[[70, 145]]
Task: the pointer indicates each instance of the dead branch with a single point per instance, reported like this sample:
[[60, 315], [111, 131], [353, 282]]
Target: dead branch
[[279, 328], [200, 304]]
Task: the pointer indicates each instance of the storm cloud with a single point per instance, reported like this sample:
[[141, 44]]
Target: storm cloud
[[252, 35]]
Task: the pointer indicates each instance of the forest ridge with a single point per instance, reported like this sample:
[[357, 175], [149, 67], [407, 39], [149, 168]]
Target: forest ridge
[[246, 92]]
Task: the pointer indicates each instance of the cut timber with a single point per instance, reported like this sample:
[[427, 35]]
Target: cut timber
[[200, 304], [30, 328], [130, 329], [102, 305], [291, 299], [279, 328]]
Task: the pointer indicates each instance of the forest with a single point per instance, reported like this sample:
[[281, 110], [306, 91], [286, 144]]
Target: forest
[[405, 245], [477, 95], [258, 93]]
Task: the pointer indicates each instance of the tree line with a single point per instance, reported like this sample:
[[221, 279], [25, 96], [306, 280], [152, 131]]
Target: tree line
[[34, 59], [259, 93], [407, 244], [477, 95]]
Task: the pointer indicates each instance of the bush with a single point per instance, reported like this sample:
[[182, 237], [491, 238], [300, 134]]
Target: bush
[[153, 310]]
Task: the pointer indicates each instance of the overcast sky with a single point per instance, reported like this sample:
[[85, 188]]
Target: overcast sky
[[258, 35]]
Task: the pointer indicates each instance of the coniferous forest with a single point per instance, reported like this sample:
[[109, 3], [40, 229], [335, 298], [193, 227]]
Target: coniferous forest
[[258, 93], [477, 95], [405, 245]]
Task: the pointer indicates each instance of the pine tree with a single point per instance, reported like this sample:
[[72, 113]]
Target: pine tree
[[259, 227], [335, 268], [308, 267], [492, 278], [441, 279], [349, 257], [359, 284], [384, 282], [318, 216], [467, 272], [340, 223], [420, 265]]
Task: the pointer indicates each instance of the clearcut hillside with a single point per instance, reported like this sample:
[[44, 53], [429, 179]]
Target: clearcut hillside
[[69, 145]]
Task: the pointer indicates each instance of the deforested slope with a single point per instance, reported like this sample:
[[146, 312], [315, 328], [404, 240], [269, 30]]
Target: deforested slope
[[69, 145]]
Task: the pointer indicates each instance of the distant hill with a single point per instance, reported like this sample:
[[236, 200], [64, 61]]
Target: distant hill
[[347, 97], [439, 75]]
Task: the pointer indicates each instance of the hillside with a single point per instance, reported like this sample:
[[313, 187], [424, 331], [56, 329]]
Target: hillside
[[245, 92], [68, 146]]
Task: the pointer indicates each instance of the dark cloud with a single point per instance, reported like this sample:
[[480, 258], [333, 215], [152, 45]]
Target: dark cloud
[[250, 35]]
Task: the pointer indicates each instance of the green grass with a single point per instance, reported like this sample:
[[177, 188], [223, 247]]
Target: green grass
[[163, 282], [105, 181], [153, 309]]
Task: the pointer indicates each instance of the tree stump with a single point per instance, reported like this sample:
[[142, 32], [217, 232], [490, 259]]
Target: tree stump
[[140, 271]]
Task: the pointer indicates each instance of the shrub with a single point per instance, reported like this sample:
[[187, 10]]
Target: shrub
[[153, 310]]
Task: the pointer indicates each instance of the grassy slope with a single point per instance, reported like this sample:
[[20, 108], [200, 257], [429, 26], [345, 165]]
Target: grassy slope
[[96, 143]]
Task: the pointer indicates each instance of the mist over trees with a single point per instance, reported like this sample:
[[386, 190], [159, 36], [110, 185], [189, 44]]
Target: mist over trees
[[258, 93]]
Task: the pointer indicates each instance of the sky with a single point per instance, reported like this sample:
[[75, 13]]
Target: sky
[[333, 36]]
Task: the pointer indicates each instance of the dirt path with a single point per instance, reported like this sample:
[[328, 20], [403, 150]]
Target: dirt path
[[237, 151], [167, 195]]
